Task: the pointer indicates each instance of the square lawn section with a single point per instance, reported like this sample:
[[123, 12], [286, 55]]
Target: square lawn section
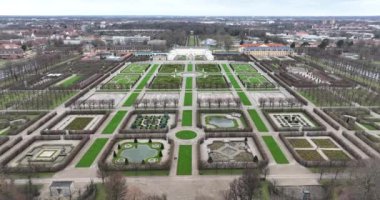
[[211, 82], [210, 68], [187, 118], [299, 143], [166, 82], [243, 68], [336, 154], [275, 150], [79, 123], [188, 99], [184, 166], [171, 68], [115, 121], [324, 143], [310, 155], [136, 68], [122, 81], [252, 81], [91, 154], [257, 121]]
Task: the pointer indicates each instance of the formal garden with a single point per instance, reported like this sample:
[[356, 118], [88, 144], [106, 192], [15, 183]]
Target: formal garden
[[121, 82], [211, 82], [292, 120], [207, 68], [171, 68], [138, 152], [136, 68], [12, 123], [166, 82], [76, 122]]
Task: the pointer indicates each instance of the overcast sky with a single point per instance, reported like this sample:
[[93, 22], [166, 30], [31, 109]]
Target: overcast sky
[[191, 7]]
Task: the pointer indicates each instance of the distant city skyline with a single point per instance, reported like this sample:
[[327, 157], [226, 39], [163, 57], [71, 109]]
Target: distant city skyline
[[192, 8]]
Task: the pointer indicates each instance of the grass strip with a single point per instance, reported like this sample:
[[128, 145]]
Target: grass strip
[[115, 121], [184, 166], [275, 150], [243, 97], [91, 154], [257, 120], [187, 118]]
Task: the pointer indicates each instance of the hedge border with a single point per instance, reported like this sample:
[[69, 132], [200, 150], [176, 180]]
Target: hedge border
[[199, 112], [124, 130], [306, 163], [48, 131], [43, 168], [319, 125], [102, 164], [202, 165]]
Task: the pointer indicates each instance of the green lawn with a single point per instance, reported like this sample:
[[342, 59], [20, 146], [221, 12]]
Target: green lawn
[[189, 83], [186, 135], [166, 82], [132, 98], [187, 118], [257, 120], [243, 68], [135, 68], [184, 160], [275, 150], [69, 81], [100, 192], [208, 68], [91, 154], [147, 77], [188, 99], [171, 68], [115, 121], [243, 97], [189, 67]]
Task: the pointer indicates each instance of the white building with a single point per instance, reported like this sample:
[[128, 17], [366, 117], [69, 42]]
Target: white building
[[190, 53]]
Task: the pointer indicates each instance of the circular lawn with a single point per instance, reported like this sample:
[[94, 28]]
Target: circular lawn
[[186, 135]]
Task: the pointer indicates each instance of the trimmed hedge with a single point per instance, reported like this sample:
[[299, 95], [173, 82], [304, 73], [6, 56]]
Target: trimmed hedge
[[42, 167], [41, 123], [358, 144], [283, 84], [319, 125], [47, 131], [367, 138], [306, 163], [10, 145], [326, 119], [3, 139], [199, 113], [104, 165], [27, 124]]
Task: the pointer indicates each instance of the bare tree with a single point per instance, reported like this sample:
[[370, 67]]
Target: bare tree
[[245, 187], [115, 186]]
